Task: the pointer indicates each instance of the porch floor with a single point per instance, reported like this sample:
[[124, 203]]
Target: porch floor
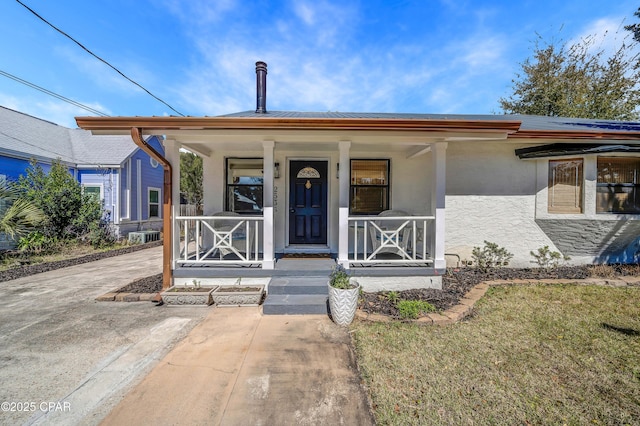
[[302, 267]]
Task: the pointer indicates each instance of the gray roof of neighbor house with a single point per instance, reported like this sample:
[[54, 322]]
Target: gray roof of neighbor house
[[529, 122], [26, 136]]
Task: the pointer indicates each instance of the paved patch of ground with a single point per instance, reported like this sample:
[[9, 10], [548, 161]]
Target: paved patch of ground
[[57, 344], [27, 270]]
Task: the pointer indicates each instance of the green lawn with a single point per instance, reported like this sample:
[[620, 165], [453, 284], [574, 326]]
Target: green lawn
[[529, 355]]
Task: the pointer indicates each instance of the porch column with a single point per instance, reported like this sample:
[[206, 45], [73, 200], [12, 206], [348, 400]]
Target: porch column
[[343, 204], [438, 165], [172, 153], [268, 261]]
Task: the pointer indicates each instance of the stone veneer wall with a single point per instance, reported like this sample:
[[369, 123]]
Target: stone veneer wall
[[605, 240]]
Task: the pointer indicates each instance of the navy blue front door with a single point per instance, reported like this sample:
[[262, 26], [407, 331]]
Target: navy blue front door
[[308, 202]]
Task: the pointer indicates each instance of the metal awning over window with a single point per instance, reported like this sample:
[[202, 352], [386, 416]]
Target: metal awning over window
[[562, 149]]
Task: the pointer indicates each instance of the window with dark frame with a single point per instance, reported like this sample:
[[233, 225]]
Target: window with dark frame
[[565, 186], [245, 182], [369, 189], [154, 202], [618, 185]]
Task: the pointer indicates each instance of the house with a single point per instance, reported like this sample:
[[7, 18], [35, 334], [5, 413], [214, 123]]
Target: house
[[124, 176], [397, 196]]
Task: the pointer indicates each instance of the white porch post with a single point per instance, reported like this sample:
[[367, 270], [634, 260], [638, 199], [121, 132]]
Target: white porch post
[[439, 160], [172, 153], [343, 204], [268, 261]]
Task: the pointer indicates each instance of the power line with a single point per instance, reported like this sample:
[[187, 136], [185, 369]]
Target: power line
[[55, 95], [97, 57]]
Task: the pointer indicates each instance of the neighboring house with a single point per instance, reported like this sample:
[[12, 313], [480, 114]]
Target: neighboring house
[[318, 182], [113, 167]]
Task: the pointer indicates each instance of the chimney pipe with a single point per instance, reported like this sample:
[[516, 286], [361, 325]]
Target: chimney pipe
[[261, 87]]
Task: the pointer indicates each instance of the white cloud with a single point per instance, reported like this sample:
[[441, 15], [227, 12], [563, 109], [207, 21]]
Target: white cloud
[[105, 77], [304, 12], [58, 112], [604, 34], [200, 11]]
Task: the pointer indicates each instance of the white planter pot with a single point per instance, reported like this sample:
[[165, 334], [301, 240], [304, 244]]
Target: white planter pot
[[343, 303], [181, 296], [238, 295]]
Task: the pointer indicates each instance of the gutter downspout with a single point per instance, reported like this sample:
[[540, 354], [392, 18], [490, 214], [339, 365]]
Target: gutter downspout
[[136, 135]]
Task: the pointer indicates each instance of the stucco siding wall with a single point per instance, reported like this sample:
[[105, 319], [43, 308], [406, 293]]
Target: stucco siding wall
[[491, 195]]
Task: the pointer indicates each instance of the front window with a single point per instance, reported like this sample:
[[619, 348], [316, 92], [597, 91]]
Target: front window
[[244, 185], [154, 202], [369, 192], [565, 186], [618, 185], [93, 190]]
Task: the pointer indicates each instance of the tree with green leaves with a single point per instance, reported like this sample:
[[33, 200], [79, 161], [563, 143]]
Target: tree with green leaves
[[577, 80], [70, 213], [634, 28], [18, 216], [191, 178]]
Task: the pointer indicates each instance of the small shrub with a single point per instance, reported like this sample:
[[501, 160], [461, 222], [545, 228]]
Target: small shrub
[[548, 259], [411, 309], [393, 297], [602, 271], [490, 256], [101, 234], [37, 243], [339, 278]]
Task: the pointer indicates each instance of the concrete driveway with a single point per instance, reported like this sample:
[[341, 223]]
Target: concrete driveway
[[67, 359]]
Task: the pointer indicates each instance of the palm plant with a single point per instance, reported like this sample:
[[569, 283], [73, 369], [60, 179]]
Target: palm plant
[[17, 215]]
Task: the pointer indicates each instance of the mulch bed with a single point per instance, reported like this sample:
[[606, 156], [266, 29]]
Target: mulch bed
[[152, 284], [457, 283]]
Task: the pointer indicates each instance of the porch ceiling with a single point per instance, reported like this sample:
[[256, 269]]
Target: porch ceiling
[[318, 140]]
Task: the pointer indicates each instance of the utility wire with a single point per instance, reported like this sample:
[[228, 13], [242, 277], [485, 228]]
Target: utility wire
[[97, 57], [55, 95]]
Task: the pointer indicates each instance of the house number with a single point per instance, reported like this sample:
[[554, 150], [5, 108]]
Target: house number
[[275, 198]]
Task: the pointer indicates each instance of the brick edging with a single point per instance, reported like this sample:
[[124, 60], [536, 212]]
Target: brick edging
[[467, 302]]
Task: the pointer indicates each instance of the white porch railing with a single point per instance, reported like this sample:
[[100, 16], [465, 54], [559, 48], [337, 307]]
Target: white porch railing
[[405, 240], [219, 240]]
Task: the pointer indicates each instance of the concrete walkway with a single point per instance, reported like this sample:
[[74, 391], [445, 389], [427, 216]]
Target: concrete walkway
[[241, 368]]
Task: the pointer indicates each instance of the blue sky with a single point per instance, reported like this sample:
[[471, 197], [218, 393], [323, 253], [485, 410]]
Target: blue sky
[[447, 56]]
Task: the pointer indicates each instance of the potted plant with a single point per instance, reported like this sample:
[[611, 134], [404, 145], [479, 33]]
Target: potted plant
[[188, 295], [343, 296], [238, 295]]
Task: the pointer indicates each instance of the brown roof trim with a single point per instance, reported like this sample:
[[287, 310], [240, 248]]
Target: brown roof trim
[[152, 124], [569, 134]]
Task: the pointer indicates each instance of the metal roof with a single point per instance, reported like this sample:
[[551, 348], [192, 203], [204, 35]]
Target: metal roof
[[563, 149], [529, 122]]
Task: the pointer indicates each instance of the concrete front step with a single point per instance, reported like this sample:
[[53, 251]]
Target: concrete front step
[[298, 285], [295, 304]]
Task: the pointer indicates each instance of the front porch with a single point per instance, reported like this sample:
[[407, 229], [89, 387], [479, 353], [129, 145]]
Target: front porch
[[229, 241]]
